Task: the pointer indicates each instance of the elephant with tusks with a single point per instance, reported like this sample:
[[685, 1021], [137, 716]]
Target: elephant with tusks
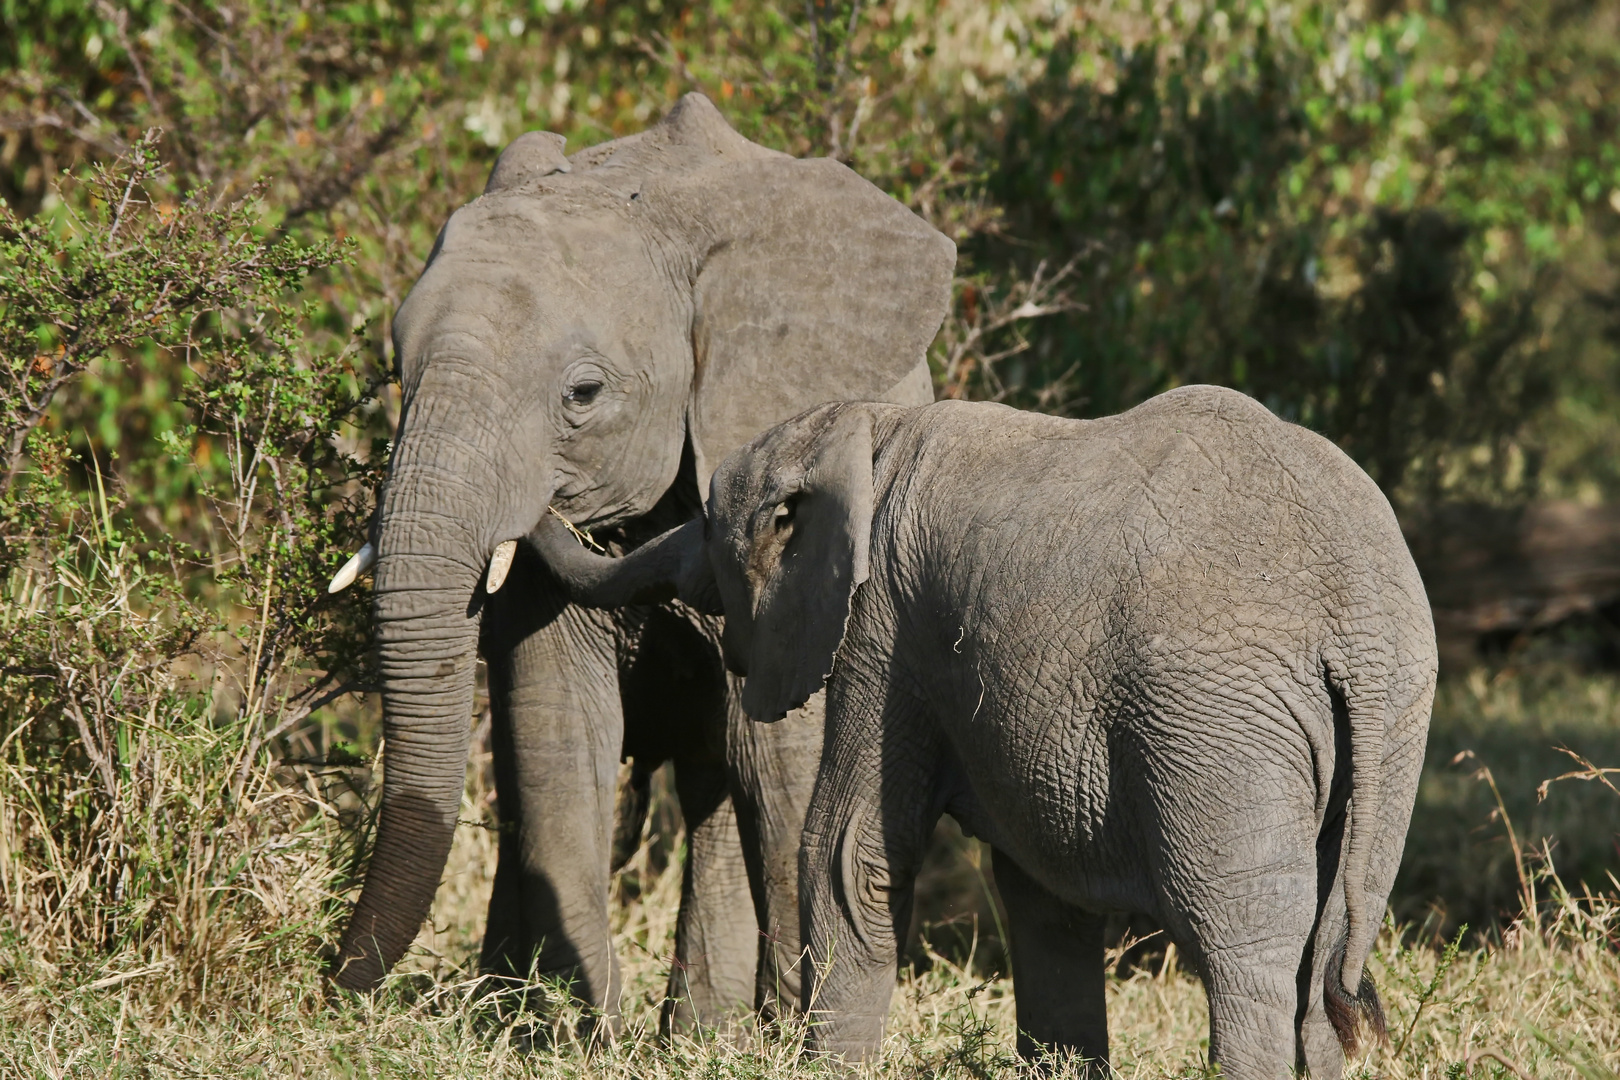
[[590, 337]]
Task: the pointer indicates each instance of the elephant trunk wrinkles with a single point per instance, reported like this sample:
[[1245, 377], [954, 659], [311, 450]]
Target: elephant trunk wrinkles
[[432, 553], [668, 566]]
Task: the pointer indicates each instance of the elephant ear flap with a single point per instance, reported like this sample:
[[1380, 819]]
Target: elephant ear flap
[[812, 286], [804, 602]]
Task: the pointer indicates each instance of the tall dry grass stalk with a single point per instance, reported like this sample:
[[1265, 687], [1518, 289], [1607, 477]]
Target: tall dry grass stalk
[[144, 830], [1542, 1000]]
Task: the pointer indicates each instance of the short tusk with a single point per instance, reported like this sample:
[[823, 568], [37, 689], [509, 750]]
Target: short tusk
[[358, 564], [499, 564]]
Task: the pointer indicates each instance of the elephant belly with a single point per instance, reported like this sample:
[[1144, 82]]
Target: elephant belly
[[1099, 797], [1042, 788]]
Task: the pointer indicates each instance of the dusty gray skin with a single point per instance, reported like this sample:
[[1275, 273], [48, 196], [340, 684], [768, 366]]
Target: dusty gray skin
[[1151, 659], [588, 335]]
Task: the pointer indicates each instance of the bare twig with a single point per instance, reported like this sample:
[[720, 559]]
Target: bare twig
[[579, 534], [123, 204], [815, 38], [92, 746], [219, 39], [1492, 1055], [298, 715], [119, 17], [1527, 892], [983, 316], [325, 192], [673, 60]]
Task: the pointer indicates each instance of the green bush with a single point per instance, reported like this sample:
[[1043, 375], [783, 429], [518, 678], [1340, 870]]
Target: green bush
[[144, 678], [1323, 211]]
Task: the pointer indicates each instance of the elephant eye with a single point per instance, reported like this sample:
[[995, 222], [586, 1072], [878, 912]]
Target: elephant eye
[[783, 517], [584, 392]]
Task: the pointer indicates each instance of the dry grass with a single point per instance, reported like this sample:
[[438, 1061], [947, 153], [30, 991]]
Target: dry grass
[[227, 982], [1511, 721], [1546, 1000]]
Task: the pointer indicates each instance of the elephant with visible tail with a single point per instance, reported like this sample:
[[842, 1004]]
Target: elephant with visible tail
[[593, 335], [1176, 662]]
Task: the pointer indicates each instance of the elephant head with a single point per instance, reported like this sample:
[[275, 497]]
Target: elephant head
[[781, 549], [576, 329]]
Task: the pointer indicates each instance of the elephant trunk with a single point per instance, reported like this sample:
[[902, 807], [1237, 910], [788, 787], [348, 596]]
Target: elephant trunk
[[671, 565], [433, 546]]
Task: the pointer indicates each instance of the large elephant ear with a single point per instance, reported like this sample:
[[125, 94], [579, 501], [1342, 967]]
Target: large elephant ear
[[805, 586], [808, 283], [811, 284]]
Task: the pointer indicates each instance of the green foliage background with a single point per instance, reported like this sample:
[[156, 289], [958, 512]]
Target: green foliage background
[[1398, 223], [1395, 223]]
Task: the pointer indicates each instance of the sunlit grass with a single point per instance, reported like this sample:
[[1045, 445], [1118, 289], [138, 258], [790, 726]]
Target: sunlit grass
[[1540, 997]]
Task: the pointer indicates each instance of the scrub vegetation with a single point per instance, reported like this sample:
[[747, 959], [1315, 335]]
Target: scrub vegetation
[[1396, 223]]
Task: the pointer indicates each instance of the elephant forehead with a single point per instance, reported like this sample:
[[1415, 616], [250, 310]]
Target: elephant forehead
[[531, 285], [480, 303], [525, 231], [507, 216]]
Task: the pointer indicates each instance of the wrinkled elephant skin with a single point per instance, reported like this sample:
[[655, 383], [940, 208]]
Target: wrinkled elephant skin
[[1176, 662], [593, 334]]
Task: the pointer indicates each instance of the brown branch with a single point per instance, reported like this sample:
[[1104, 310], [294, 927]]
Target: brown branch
[[91, 749], [298, 714], [327, 191], [119, 17]]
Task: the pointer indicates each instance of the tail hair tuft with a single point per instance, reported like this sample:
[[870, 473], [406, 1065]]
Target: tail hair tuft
[[1349, 1013]]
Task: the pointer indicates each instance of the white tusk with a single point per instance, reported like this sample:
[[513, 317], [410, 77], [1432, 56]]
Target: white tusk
[[499, 564], [358, 564]]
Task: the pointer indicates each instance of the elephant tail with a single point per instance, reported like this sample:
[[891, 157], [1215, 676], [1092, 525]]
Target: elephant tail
[[1347, 1012], [1349, 996]]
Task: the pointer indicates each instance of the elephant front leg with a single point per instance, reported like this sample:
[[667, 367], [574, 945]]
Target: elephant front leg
[[773, 772], [712, 973], [1057, 967], [868, 825], [557, 729], [674, 691]]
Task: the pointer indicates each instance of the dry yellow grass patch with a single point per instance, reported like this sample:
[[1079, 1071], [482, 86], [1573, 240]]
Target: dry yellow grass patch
[[1547, 1002], [1541, 1000]]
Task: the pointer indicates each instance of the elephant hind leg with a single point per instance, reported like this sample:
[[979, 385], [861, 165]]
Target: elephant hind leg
[[1239, 895], [1320, 1053], [1248, 931], [1057, 962]]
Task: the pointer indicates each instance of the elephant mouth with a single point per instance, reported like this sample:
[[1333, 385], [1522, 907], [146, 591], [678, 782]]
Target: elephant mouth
[[667, 567]]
